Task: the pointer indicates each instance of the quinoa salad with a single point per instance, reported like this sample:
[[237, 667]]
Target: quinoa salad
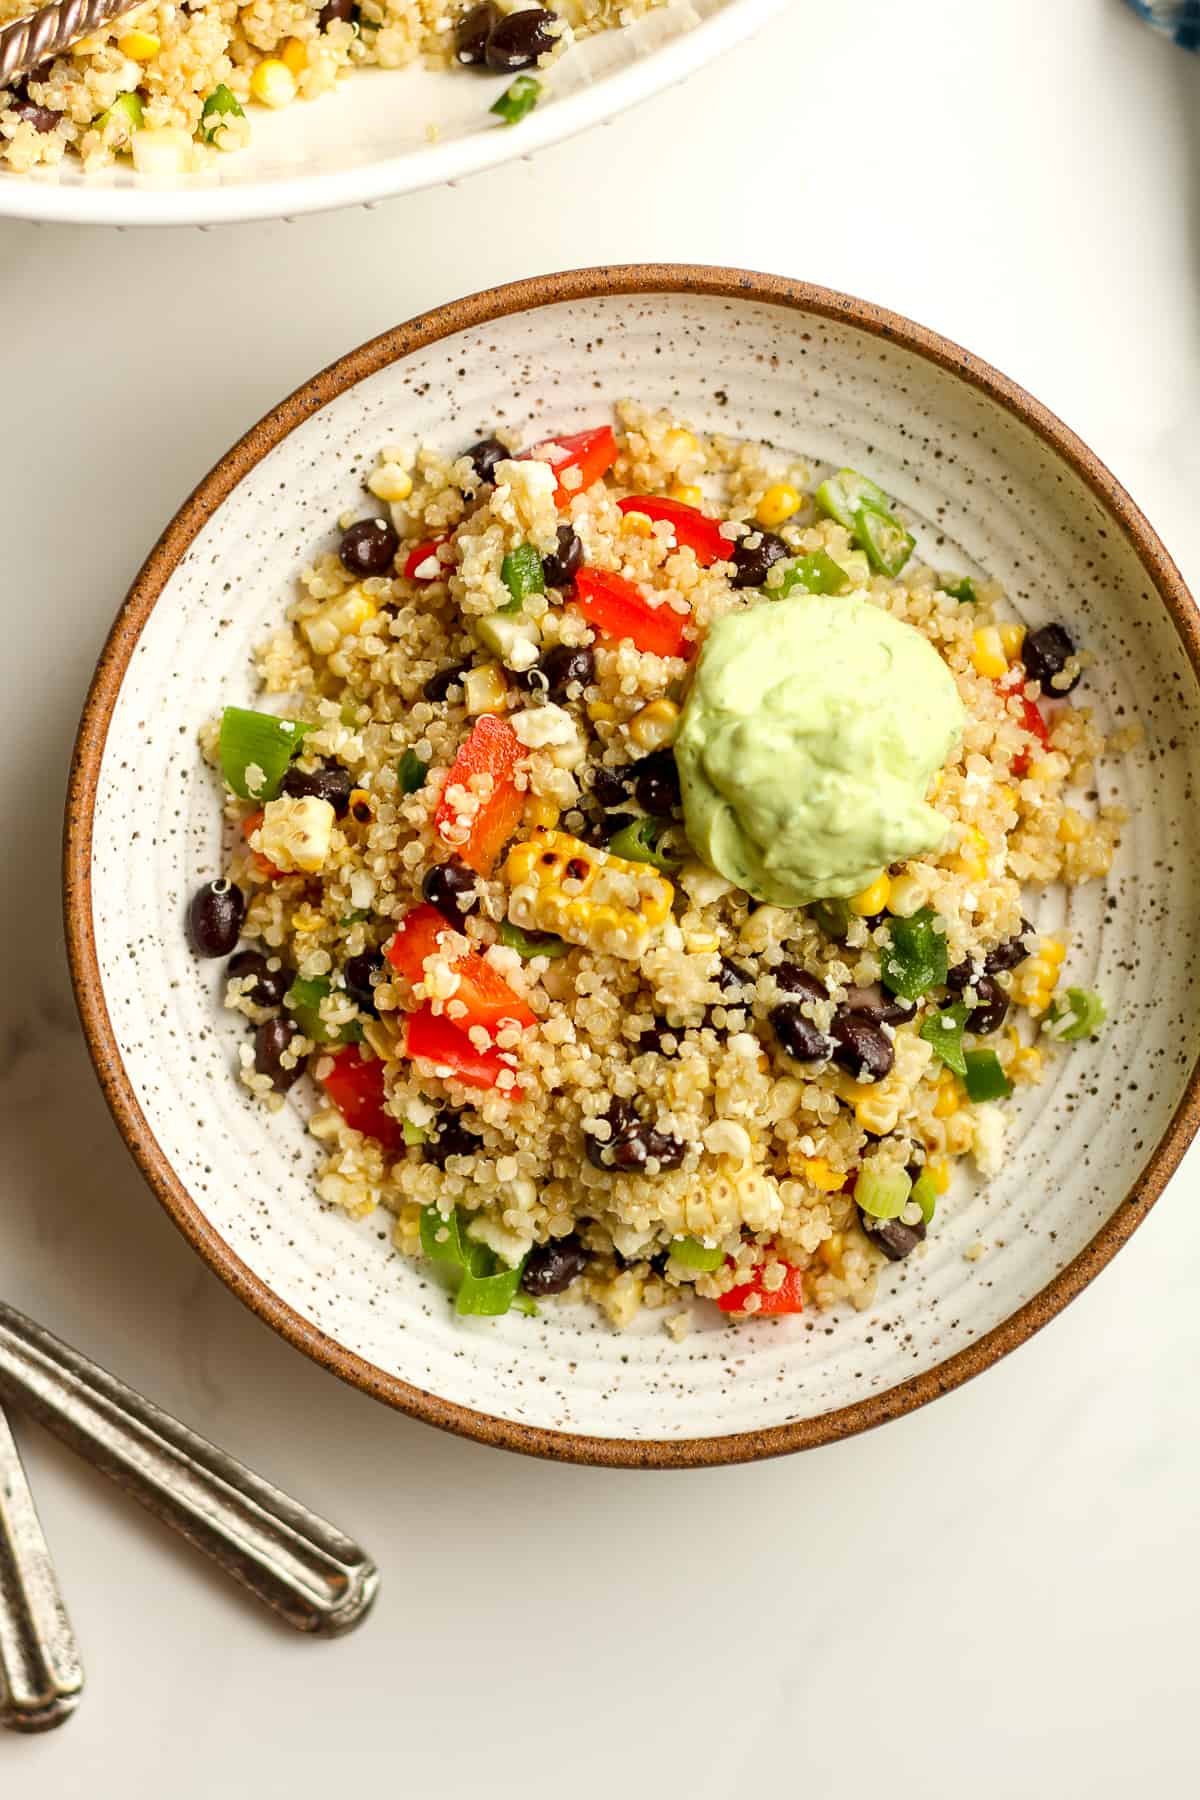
[[637, 847], [176, 87]]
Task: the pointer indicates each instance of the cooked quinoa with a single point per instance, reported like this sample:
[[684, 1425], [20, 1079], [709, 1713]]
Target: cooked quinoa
[[176, 87], [545, 1036]]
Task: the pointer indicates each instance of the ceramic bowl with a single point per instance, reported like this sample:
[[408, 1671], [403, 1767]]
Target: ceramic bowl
[[994, 483], [386, 132]]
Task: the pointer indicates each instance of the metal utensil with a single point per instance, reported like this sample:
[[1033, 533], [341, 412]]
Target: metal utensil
[[27, 42], [41, 1677], [298, 1564]]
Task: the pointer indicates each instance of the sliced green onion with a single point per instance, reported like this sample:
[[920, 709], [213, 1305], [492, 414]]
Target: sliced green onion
[[522, 574], [833, 916], [411, 771], [816, 573], [126, 109], [959, 587], [916, 959], [924, 1192], [303, 1000], [846, 493], [221, 104], [413, 1134], [488, 1296], [256, 749], [519, 98], [985, 1078], [487, 1287], [1079, 1014], [884, 1193], [441, 1237], [525, 1303], [944, 1030], [638, 842], [866, 512], [694, 1255], [530, 944]]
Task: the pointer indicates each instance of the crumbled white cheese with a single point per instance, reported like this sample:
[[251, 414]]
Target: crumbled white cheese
[[539, 726], [988, 1145], [295, 834], [725, 1137]]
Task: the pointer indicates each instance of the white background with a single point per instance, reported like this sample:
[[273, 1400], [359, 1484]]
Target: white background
[[994, 1597]]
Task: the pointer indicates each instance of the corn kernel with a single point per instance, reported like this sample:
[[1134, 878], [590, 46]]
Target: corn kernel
[[273, 83], [1012, 639], [390, 482], [654, 727], [830, 1252], [558, 883], [679, 444], [295, 55], [486, 688], [687, 493], [338, 617], [777, 504], [602, 712], [1072, 828], [637, 524], [1041, 770], [701, 943], [873, 899], [306, 918], [1009, 795], [1052, 950], [538, 811], [946, 1104], [139, 46], [988, 653], [360, 807], [818, 1174], [938, 1170], [971, 859]]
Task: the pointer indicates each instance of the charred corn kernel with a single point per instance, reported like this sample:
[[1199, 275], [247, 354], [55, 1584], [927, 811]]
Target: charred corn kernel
[[687, 493], [338, 617], [1072, 827], [939, 1173], [818, 1174], [540, 812], [139, 46], [273, 83], [559, 884], [778, 503], [306, 918], [987, 654], [1012, 639], [361, 807], [972, 854], [390, 482], [295, 55], [946, 1104], [655, 726], [679, 444], [873, 899], [602, 712], [486, 688]]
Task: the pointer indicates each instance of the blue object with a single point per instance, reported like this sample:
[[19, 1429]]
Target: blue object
[[1180, 18]]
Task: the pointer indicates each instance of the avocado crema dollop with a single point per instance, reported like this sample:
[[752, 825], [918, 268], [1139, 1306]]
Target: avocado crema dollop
[[807, 745]]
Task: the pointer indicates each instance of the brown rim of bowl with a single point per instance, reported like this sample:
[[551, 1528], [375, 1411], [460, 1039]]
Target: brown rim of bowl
[[429, 328]]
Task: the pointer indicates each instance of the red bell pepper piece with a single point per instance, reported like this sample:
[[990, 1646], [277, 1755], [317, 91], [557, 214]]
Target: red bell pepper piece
[[1031, 719], [437, 1039], [494, 749], [593, 453], [694, 530], [486, 995], [263, 864], [618, 610], [355, 1085], [421, 553], [787, 1298]]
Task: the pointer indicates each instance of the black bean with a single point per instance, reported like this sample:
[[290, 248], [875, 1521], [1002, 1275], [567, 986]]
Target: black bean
[[1011, 952], [652, 1039], [991, 1007], [962, 975], [470, 46], [215, 917], [344, 10], [798, 1036], [270, 1041], [489, 451], [270, 985], [861, 1047], [632, 1143], [732, 978], [567, 665], [329, 782], [790, 978], [369, 547], [450, 886], [1044, 654], [608, 826], [450, 1137], [880, 1007], [894, 1238], [610, 786], [519, 39], [561, 568], [656, 783], [438, 686], [42, 118], [550, 1268], [753, 555], [360, 974]]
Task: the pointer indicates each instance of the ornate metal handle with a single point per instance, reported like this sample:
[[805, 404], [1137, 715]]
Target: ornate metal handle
[[27, 42], [298, 1564], [41, 1677]]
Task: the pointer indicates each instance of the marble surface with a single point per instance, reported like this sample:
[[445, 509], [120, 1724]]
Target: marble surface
[[995, 1596]]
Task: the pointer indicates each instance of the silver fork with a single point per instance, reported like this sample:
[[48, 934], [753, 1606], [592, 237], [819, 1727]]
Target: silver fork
[[41, 1677]]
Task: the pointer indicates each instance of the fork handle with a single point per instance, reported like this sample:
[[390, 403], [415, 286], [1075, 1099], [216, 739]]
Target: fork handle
[[41, 1677], [300, 1566]]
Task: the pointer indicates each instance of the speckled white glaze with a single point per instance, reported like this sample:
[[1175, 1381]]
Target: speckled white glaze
[[987, 493]]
